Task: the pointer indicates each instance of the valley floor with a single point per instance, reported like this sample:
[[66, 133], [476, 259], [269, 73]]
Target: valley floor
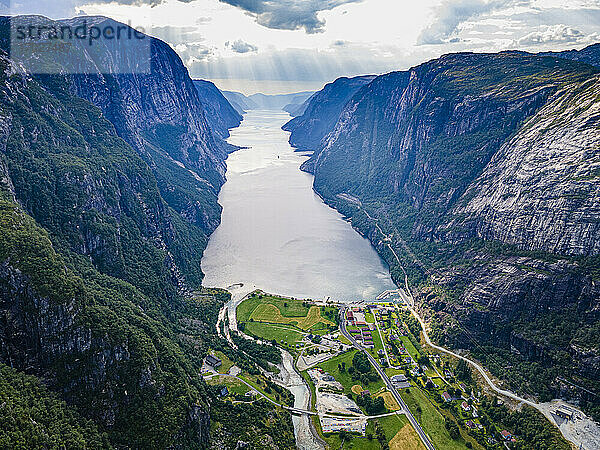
[[398, 391]]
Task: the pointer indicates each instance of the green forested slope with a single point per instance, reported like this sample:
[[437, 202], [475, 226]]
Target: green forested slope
[[31, 416]]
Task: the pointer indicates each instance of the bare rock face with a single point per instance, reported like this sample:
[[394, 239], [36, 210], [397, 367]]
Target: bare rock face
[[541, 190], [220, 115], [421, 137], [107, 205], [161, 108]]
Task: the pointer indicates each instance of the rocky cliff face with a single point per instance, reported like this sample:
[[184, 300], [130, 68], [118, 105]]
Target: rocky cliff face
[[87, 302], [422, 136], [321, 112], [482, 171], [220, 114], [153, 105], [540, 191], [108, 192]]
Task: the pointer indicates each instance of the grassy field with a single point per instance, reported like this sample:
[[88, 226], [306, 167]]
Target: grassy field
[[377, 344], [430, 419], [343, 339], [410, 348], [233, 385], [271, 309], [267, 312], [406, 438], [391, 372], [391, 425], [226, 362], [355, 442], [278, 332], [331, 366], [287, 307], [390, 402]]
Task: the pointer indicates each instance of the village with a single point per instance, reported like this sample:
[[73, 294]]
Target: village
[[351, 400]]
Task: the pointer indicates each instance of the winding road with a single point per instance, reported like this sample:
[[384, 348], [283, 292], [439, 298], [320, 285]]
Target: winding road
[[477, 366], [410, 303]]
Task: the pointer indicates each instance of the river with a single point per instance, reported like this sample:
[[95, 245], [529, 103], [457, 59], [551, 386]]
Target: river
[[277, 235]]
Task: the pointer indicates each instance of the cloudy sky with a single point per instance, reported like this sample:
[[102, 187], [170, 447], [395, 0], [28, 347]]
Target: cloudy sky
[[290, 45]]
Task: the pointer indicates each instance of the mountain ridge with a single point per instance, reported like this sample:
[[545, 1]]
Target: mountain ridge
[[422, 150]]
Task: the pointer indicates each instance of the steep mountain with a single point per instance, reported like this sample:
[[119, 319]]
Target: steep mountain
[[296, 109], [556, 212], [220, 115], [85, 299], [321, 112], [239, 101], [160, 115], [35, 417], [108, 191], [264, 101], [481, 170]]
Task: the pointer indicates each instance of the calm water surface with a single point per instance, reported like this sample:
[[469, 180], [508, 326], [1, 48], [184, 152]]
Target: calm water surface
[[276, 233]]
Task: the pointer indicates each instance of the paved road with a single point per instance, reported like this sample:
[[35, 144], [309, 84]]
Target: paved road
[[387, 382], [300, 410], [479, 368], [410, 302]]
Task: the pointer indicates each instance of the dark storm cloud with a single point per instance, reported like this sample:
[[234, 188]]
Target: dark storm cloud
[[288, 14]]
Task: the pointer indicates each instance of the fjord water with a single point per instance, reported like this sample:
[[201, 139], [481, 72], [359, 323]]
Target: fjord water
[[276, 234]]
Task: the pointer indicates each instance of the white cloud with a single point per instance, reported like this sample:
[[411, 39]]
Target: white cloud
[[289, 14], [451, 13], [266, 40], [553, 33]]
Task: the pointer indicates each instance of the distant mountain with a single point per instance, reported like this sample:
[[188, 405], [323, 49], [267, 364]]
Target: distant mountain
[[589, 55], [321, 112], [220, 114], [482, 171], [263, 101], [296, 109], [240, 102]]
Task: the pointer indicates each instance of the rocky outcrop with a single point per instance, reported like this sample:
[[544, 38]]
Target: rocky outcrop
[[541, 190], [321, 112], [220, 115]]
